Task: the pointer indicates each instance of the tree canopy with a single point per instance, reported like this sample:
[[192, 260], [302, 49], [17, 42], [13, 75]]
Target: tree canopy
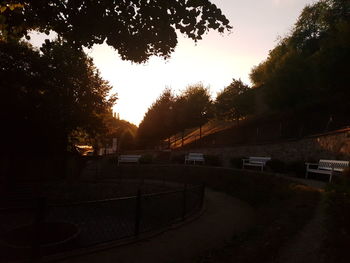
[[48, 94], [311, 63], [171, 114], [193, 107], [235, 101], [137, 29], [157, 123]]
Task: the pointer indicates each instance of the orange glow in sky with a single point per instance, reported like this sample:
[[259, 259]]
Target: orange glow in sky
[[213, 61]]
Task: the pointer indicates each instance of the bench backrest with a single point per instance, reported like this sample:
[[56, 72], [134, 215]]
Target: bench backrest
[[259, 159], [129, 158], [195, 156], [333, 164]]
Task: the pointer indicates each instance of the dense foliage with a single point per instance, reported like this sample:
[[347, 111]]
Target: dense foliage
[[47, 94], [171, 114], [235, 101], [311, 63], [137, 29]]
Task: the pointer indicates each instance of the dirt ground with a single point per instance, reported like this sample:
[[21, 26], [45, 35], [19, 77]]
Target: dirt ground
[[224, 216]]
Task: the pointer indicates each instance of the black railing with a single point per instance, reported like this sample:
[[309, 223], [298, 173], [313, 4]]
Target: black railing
[[98, 222]]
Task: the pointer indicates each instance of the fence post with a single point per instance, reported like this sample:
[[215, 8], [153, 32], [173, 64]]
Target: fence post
[[39, 219], [202, 196], [138, 213], [184, 208]]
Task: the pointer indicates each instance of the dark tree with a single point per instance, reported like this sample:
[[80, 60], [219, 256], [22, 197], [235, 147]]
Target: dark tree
[[47, 95], [234, 102], [124, 131], [193, 107], [170, 115], [157, 123], [137, 29], [310, 65]]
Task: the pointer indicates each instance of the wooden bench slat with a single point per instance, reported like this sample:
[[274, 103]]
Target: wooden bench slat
[[128, 158], [256, 161], [326, 167], [194, 157]]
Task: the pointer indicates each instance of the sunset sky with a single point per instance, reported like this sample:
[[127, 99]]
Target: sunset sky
[[213, 61]]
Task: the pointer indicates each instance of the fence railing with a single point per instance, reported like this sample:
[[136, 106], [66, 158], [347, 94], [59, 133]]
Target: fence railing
[[260, 131], [98, 222]]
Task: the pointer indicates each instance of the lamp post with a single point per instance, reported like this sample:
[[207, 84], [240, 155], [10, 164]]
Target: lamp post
[[170, 111]]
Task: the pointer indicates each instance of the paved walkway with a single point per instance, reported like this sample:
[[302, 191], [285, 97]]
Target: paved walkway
[[306, 246], [224, 216]]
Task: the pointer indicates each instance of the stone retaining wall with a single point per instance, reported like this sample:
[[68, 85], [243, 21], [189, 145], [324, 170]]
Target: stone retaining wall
[[333, 145]]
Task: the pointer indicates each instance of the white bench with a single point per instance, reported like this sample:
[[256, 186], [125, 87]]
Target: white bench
[[194, 157], [329, 167], [129, 158], [256, 161]]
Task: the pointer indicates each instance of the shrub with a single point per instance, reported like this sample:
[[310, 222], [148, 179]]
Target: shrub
[[276, 166], [146, 159], [213, 160], [179, 158], [297, 168], [236, 162], [346, 173], [162, 157]]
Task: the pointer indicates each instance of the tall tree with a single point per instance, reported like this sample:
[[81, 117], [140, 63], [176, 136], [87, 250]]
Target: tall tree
[[310, 65], [123, 131], [171, 114], [193, 107], [157, 123], [234, 102], [137, 29], [48, 94]]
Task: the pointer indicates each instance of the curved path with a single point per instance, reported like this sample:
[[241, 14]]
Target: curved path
[[224, 216], [306, 245]]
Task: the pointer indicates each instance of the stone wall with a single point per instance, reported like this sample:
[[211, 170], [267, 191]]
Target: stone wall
[[334, 145]]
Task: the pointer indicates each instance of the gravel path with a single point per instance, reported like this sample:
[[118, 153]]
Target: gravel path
[[224, 216]]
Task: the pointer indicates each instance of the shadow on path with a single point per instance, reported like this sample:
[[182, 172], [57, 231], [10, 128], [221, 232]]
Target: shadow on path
[[224, 217]]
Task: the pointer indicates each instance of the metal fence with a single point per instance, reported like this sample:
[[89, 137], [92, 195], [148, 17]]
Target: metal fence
[[99, 222]]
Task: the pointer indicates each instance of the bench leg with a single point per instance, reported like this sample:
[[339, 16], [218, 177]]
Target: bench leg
[[306, 174], [262, 168], [330, 177]]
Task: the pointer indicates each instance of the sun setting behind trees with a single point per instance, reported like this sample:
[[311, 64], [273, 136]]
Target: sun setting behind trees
[[60, 105], [58, 90], [213, 61], [298, 52]]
